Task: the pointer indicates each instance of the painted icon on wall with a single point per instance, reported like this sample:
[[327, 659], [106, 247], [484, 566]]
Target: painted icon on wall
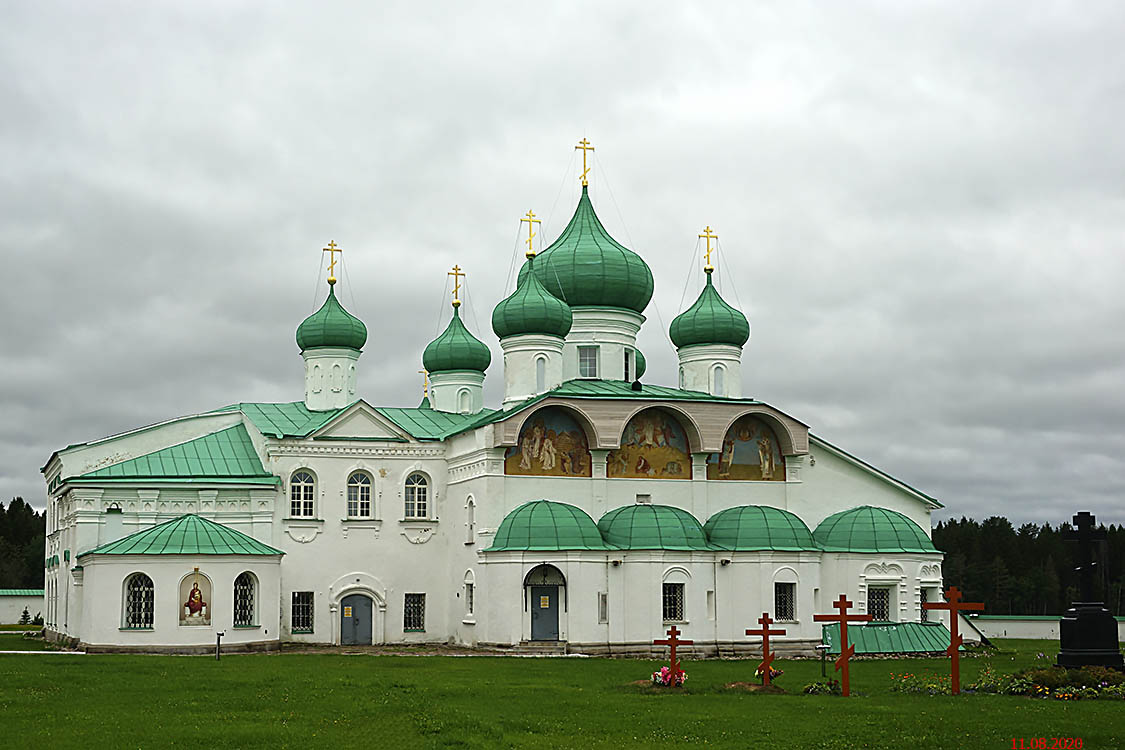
[[750, 451], [551, 444], [653, 446], [195, 598]]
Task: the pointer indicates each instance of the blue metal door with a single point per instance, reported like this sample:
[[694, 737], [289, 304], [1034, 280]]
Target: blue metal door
[[544, 613], [355, 620]]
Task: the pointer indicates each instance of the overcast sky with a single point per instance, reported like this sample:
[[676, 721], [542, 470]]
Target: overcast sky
[[921, 209]]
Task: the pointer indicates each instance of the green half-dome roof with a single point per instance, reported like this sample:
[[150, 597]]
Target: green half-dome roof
[[644, 526], [456, 349], [868, 529], [332, 326], [531, 309], [585, 266], [542, 525], [640, 364], [758, 527], [709, 321]]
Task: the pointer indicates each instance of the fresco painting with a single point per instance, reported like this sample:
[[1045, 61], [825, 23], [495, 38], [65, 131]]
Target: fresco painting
[[551, 444], [195, 599], [750, 451], [653, 446]]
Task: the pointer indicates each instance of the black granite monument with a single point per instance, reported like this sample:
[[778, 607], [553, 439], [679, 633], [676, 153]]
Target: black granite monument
[[1087, 632]]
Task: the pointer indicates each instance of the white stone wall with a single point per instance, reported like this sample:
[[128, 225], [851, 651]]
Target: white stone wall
[[11, 608]]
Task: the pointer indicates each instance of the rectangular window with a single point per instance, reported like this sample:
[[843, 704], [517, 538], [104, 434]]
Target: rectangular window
[[673, 602], [414, 613], [587, 361], [301, 616], [923, 598], [710, 605], [628, 366], [603, 607], [644, 499], [785, 602], [879, 603], [468, 598]]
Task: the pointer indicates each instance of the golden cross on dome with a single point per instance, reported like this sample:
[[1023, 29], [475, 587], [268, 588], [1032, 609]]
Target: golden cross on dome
[[425, 383], [585, 146], [457, 275], [531, 222], [332, 250], [709, 235]]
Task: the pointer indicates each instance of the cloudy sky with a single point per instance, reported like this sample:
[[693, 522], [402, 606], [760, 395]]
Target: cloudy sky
[[921, 208]]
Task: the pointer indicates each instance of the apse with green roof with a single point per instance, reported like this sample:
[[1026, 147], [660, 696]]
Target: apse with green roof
[[870, 529], [456, 361], [544, 526], [645, 526], [187, 535], [331, 340], [759, 528]]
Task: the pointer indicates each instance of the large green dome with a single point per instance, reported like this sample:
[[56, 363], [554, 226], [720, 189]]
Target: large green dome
[[868, 529], [531, 309], [542, 525], [331, 326], [587, 267], [758, 527], [709, 321], [456, 349], [644, 526]]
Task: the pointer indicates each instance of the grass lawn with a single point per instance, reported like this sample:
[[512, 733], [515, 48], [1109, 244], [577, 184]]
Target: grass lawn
[[20, 627], [329, 700], [16, 642]]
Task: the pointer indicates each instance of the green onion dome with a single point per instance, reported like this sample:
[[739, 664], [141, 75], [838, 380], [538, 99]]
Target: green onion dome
[[587, 267], [644, 526], [759, 527], [331, 326], [639, 364], [456, 349], [709, 321], [868, 529], [531, 309], [542, 525]]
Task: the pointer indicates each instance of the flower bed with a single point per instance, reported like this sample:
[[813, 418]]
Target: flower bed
[[663, 678], [1087, 683]]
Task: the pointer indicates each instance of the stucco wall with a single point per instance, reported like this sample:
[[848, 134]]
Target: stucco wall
[[11, 608]]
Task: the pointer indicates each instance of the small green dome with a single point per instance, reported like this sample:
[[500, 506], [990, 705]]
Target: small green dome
[[639, 364], [758, 527], [868, 529], [456, 349], [542, 525], [644, 526], [587, 267], [709, 321], [531, 309], [331, 326]]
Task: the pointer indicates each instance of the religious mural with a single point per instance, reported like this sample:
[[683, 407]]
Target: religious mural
[[195, 599], [654, 446], [750, 451], [551, 444]]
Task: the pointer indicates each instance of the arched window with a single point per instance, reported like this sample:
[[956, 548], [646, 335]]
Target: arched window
[[470, 593], [359, 494], [302, 490], [464, 404], [244, 595], [470, 520], [317, 379], [138, 601], [337, 378], [540, 374], [718, 379], [415, 496], [683, 380]]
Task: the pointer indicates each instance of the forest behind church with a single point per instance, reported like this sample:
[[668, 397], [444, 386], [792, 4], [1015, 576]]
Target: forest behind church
[[21, 545]]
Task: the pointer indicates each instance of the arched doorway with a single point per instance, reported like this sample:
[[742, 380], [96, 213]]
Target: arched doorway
[[544, 585], [356, 616]]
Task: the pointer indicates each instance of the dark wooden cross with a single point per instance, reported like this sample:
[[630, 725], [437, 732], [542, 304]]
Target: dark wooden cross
[[767, 656], [672, 641], [1086, 534], [955, 606], [846, 651]]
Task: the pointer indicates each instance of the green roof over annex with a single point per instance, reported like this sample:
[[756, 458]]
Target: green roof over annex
[[870, 529], [542, 525], [890, 637], [186, 535], [759, 527], [645, 526]]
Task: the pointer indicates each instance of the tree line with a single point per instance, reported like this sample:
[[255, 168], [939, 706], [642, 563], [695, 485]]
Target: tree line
[[22, 531]]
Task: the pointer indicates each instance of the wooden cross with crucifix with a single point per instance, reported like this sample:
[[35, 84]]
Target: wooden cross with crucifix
[[672, 641], [585, 146], [954, 606], [332, 250], [531, 222], [767, 656], [457, 276], [709, 235], [846, 651]]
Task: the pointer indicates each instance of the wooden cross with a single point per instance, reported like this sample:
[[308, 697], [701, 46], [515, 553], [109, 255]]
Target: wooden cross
[[709, 235], [767, 655], [332, 250], [955, 605], [425, 383], [457, 276], [846, 651], [672, 641], [585, 146], [531, 222]]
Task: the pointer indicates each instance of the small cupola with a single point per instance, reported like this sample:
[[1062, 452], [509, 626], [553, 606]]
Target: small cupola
[[331, 340], [456, 361]]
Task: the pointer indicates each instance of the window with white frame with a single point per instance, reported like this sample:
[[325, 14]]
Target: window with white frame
[[587, 361], [683, 379], [464, 401], [139, 602], [879, 603], [416, 496], [628, 365], [923, 599], [414, 613], [785, 601], [302, 491], [244, 591], [719, 376], [470, 521], [469, 598], [540, 374], [673, 602], [359, 495], [603, 606], [301, 614]]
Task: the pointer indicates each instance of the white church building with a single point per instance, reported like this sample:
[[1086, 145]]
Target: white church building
[[586, 514]]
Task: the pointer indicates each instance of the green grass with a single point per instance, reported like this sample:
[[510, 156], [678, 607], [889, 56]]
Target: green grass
[[20, 627], [329, 700], [16, 642]]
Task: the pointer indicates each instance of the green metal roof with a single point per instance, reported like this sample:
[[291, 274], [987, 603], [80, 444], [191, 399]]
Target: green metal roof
[[456, 349], [710, 320], [889, 637], [585, 266], [531, 309], [620, 389], [227, 453], [292, 419], [869, 529], [331, 326], [186, 535], [640, 364], [644, 526], [423, 423], [758, 527], [542, 525], [23, 592]]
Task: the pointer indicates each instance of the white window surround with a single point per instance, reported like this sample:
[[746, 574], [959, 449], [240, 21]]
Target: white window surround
[[359, 500], [416, 497], [718, 378], [540, 374], [588, 365], [302, 494]]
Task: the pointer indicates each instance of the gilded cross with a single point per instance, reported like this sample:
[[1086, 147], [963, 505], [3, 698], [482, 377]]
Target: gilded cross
[[332, 250], [457, 276], [709, 235], [425, 383], [531, 222], [585, 146]]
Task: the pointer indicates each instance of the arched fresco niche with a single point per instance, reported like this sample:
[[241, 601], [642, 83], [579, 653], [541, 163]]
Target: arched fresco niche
[[195, 599], [750, 451], [551, 444], [653, 446]]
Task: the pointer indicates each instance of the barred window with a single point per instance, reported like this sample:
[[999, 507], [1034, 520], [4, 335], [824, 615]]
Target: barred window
[[138, 601], [244, 600], [415, 496], [469, 603], [785, 601], [301, 616], [923, 598], [359, 495], [414, 613], [673, 602], [879, 603], [587, 361], [302, 488]]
